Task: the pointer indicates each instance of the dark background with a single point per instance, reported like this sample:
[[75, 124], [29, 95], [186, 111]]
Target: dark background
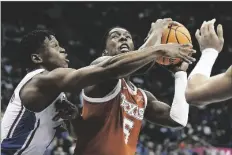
[[80, 27]]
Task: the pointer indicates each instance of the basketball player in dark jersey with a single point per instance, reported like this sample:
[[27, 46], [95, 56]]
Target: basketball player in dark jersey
[[203, 89], [114, 109]]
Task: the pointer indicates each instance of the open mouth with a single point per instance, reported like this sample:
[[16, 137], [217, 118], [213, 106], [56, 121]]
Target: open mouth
[[124, 47], [66, 60]]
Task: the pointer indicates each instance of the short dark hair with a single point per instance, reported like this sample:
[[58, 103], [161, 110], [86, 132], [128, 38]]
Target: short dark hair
[[30, 44]]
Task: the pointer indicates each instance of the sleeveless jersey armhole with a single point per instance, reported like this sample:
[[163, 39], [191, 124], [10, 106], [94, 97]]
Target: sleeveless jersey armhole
[[144, 95]]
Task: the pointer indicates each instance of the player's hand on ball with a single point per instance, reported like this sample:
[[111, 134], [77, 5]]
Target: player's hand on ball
[[66, 110], [156, 31], [174, 50], [208, 38]]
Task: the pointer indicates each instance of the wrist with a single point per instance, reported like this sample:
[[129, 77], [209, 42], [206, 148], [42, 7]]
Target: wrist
[[210, 51], [206, 62], [179, 74]]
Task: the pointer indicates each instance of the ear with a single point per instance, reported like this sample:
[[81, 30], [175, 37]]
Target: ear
[[36, 58]]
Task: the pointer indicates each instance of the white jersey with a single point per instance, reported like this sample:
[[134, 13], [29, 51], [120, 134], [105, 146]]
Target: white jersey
[[24, 132]]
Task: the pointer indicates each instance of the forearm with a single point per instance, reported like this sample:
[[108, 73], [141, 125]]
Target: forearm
[[161, 113], [200, 76], [215, 89], [115, 67], [180, 108], [124, 64], [203, 68], [151, 41]]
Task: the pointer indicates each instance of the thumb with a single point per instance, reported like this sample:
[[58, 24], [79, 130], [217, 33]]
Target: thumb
[[220, 32], [197, 35]]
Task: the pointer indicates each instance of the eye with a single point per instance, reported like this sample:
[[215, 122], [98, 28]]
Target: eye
[[56, 45], [114, 36], [128, 37]]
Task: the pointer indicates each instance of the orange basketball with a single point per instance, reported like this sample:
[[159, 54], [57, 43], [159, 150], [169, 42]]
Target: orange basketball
[[174, 34]]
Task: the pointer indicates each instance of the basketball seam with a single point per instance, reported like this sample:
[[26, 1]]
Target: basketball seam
[[176, 35], [183, 34], [168, 34]]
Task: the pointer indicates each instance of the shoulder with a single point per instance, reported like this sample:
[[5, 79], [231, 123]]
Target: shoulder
[[51, 77]]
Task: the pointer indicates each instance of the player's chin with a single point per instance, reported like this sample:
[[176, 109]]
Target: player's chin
[[64, 65]]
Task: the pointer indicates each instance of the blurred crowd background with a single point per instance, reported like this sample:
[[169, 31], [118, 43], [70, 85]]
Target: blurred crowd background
[[80, 27]]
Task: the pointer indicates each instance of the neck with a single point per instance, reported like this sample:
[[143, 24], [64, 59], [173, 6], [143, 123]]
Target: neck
[[37, 67]]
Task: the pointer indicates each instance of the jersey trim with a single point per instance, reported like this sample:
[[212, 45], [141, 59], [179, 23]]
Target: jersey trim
[[29, 139], [16, 121], [144, 95], [131, 91], [17, 145], [107, 98]]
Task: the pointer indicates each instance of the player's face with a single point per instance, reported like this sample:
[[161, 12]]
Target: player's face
[[119, 41], [53, 55]]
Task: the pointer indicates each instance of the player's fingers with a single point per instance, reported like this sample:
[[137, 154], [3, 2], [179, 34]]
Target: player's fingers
[[188, 51], [211, 27], [187, 57], [189, 45], [167, 21], [158, 20], [204, 29], [203, 24], [186, 60], [190, 58], [152, 24], [220, 32], [174, 23], [197, 35]]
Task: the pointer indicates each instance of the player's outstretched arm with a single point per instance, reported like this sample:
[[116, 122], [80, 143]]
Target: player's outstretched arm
[[50, 84], [69, 80], [176, 115], [203, 89]]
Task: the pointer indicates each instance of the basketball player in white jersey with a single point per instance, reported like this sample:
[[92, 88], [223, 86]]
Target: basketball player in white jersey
[[203, 89], [27, 127]]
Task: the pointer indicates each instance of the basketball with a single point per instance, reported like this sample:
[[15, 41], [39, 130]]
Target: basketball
[[174, 34]]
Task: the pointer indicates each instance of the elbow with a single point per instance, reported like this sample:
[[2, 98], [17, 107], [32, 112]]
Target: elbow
[[176, 126], [188, 97], [192, 100]]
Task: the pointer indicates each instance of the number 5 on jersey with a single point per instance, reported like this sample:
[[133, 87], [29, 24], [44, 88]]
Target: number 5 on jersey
[[127, 126]]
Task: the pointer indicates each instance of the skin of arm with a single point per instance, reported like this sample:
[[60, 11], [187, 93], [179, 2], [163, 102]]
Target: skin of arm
[[202, 90]]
